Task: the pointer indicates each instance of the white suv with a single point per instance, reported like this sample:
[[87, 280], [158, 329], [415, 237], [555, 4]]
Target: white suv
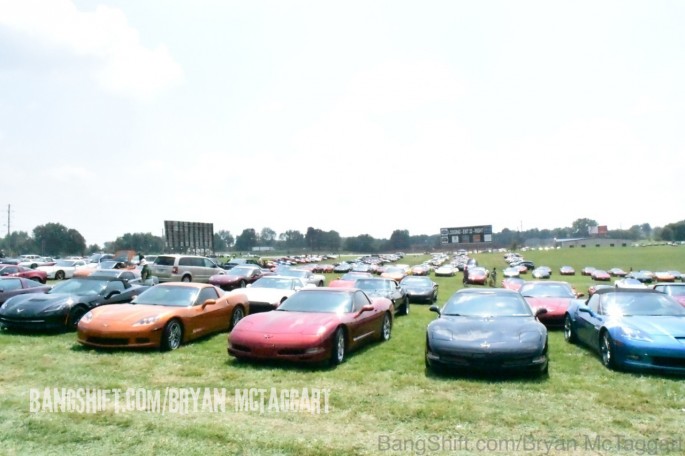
[[185, 268]]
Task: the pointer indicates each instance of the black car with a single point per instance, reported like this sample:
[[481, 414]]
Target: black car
[[420, 289], [63, 306], [375, 287], [486, 329]]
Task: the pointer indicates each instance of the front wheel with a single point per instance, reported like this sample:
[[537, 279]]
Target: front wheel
[[172, 336], [59, 275], [606, 349], [236, 316], [75, 316], [386, 328], [405, 306], [338, 347], [569, 334]]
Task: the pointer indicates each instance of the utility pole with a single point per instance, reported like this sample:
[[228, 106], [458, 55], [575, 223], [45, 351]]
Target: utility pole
[[8, 218]]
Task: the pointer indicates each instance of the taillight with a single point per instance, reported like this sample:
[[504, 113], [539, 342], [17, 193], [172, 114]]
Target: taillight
[[174, 270]]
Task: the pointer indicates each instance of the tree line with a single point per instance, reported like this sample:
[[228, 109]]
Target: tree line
[[58, 240]]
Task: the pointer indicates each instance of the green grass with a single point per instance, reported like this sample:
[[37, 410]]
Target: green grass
[[381, 398]]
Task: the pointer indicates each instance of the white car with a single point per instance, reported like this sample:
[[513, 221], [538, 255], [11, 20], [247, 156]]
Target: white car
[[62, 269], [268, 292]]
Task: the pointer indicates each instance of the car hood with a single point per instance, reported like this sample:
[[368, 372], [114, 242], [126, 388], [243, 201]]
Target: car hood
[[283, 322], [225, 278], [497, 332], [130, 313], [265, 294], [549, 303], [37, 301], [656, 326]]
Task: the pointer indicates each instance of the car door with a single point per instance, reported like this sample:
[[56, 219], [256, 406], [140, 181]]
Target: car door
[[366, 323], [213, 318], [589, 320]]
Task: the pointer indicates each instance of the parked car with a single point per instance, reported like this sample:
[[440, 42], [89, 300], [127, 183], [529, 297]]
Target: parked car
[[420, 289], [347, 280], [164, 316], [62, 269], [674, 290], [385, 288], [238, 277], [554, 296], [9, 270], [65, 303], [617, 272], [486, 329], [185, 268], [313, 325], [600, 275], [567, 270], [630, 329], [269, 292], [478, 275], [446, 270], [541, 272], [12, 286], [308, 276]]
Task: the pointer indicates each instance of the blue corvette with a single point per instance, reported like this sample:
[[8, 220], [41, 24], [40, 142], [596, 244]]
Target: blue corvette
[[631, 329]]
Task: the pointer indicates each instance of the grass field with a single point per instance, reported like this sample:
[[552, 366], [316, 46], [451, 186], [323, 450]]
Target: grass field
[[381, 399]]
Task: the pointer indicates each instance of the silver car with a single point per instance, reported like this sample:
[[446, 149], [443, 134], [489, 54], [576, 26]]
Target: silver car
[[185, 268]]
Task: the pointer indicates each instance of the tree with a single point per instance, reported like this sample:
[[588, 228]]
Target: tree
[[267, 236], [581, 227], [56, 239], [246, 240], [18, 243], [292, 239], [140, 242], [361, 243], [223, 240], [399, 240]]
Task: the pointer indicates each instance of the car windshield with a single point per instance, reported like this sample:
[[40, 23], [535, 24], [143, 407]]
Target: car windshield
[[275, 282], [293, 273], [394, 270], [673, 290], [240, 271], [374, 284], [80, 287], [318, 301], [168, 295], [355, 275], [627, 304], [415, 281], [546, 290], [487, 305]]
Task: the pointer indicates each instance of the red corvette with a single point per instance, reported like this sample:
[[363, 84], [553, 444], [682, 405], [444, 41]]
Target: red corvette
[[512, 283], [347, 280], [478, 275], [313, 325], [600, 275], [555, 296], [11, 270]]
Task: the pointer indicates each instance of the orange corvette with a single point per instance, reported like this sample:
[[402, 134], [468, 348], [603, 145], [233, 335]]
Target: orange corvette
[[163, 316]]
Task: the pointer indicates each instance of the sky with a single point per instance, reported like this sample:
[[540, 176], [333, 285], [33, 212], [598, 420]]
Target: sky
[[362, 117]]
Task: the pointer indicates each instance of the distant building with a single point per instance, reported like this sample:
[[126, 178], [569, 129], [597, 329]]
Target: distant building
[[262, 249], [588, 242]]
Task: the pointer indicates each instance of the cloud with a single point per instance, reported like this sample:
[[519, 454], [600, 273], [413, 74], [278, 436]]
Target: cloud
[[123, 64]]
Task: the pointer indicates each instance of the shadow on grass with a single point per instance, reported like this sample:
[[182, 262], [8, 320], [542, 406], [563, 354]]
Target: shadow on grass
[[487, 376]]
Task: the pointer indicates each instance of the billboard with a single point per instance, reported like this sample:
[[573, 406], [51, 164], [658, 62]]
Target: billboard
[[189, 237], [466, 234]]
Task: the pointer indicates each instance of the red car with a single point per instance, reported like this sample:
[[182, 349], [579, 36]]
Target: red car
[[478, 275], [11, 270], [313, 325], [555, 296], [347, 280], [567, 270], [12, 286], [238, 277], [600, 275], [512, 283]]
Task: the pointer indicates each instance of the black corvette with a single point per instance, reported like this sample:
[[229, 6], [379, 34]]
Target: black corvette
[[63, 306], [487, 329]]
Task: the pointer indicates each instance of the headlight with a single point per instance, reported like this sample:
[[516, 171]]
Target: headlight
[[635, 334], [442, 334], [88, 317], [147, 321]]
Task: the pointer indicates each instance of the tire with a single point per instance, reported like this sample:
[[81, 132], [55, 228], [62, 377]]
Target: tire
[[242, 284], [236, 316], [569, 335], [172, 336], [59, 275], [75, 316], [405, 307], [186, 278], [338, 347], [606, 350], [386, 328]]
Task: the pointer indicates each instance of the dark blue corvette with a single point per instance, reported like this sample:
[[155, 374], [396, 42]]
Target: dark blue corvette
[[631, 329], [487, 329]]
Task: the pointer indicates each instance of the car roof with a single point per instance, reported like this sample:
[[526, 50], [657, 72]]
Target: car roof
[[611, 289]]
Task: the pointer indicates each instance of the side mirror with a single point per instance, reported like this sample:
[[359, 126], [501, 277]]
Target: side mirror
[[366, 308], [584, 309], [435, 309], [540, 312], [580, 295]]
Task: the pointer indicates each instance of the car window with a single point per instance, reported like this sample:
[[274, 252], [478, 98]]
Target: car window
[[185, 261], [115, 285], [165, 261], [593, 303], [360, 300], [205, 294], [9, 285]]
